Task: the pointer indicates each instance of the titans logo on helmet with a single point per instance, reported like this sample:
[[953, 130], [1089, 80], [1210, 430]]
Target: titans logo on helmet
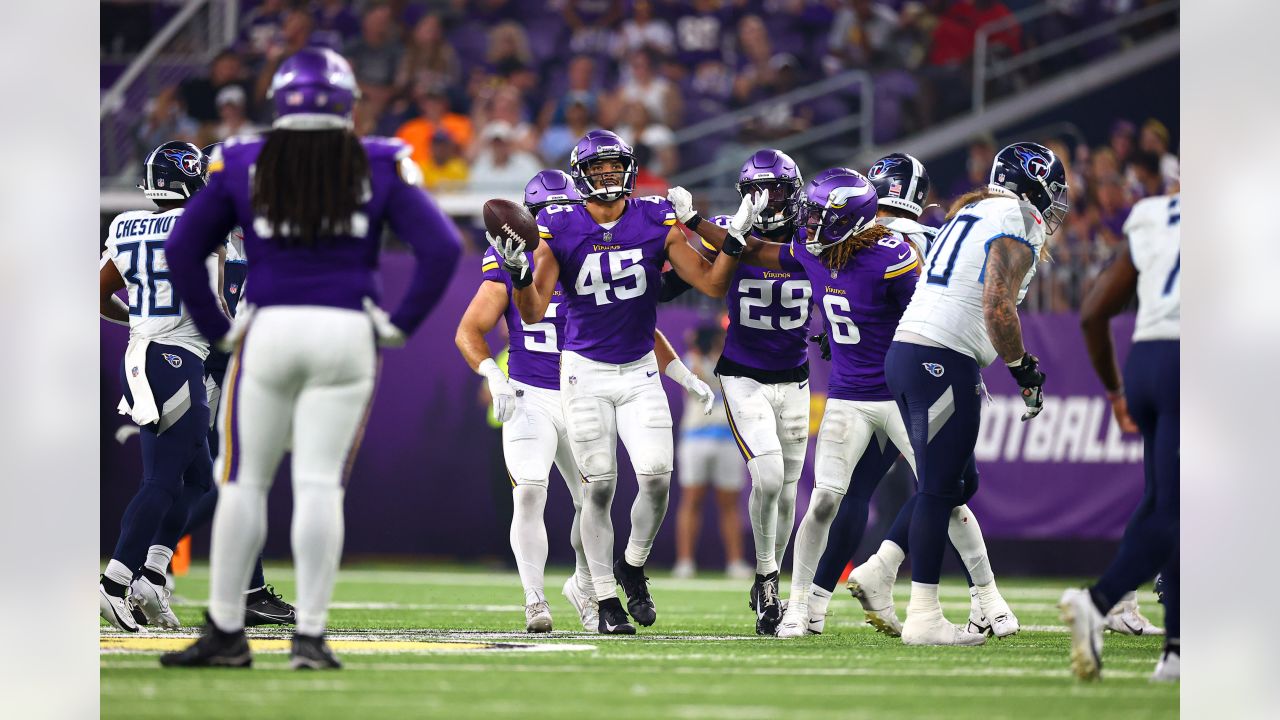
[[883, 166], [1036, 165], [187, 161]]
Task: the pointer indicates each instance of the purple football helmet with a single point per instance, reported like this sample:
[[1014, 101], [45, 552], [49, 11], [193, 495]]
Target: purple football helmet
[[838, 203], [776, 173], [600, 145], [550, 187], [314, 89]]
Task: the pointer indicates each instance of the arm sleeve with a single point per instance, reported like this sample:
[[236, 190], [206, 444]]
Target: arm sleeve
[[673, 286], [436, 244], [206, 220]]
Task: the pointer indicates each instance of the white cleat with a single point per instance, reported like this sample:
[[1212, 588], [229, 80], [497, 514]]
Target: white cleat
[[794, 622], [537, 617], [116, 611], [1085, 623], [817, 623], [871, 583], [587, 607], [932, 628], [977, 621], [995, 611], [153, 601], [1168, 669], [1126, 619]]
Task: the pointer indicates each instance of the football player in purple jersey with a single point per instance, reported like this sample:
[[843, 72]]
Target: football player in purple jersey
[[764, 369], [312, 198], [608, 255]]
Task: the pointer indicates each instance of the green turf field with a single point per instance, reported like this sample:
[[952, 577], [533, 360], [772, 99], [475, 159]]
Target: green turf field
[[446, 628]]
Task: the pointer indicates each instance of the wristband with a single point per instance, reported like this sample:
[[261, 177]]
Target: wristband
[[523, 280], [692, 223], [735, 247], [488, 366]]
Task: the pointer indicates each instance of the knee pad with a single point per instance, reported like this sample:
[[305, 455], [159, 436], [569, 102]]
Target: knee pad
[[657, 484], [795, 427], [592, 449], [824, 504], [656, 455], [767, 473]]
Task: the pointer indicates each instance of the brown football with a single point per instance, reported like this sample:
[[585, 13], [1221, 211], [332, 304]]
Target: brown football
[[506, 219]]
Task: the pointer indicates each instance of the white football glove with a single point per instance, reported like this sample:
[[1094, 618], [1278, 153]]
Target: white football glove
[[239, 326], [389, 336], [514, 260], [750, 208], [682, 202], [677, 371], [504, 397]]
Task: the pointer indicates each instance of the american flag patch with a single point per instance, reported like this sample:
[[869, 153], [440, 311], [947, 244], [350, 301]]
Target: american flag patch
[[895, 188]]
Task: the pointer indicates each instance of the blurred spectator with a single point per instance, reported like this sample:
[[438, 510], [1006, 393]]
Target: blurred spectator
[[558, 139], [295, 34], [982, 152], [659, 140], [591, 24], [500, 169], [260, 27], [643, 30], [1147, 179], [503, 104], [863, 35], [444, 168], [755, 52], [335, 23], [233, 114], [779, 118], [701, 28], [648, 181], [164, 119], [199, 94], [1121, 142], [375, 55], [428, 58], [641, 83], [1155, 139], [435, 116], [509, 57], [954, 36], [582, 90]]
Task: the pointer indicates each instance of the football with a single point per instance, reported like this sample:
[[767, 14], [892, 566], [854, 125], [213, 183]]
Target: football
[[509, 219]]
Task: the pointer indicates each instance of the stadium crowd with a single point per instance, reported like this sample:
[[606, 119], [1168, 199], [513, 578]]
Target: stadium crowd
[[488, 92]]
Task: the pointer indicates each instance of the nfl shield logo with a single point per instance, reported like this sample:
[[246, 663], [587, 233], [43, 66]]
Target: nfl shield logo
[[573, 379], [233, 289], [608, 236], [134, 371], [172, 359], [934, 369]]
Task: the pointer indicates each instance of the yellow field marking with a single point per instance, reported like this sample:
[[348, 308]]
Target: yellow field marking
[[116, 643]]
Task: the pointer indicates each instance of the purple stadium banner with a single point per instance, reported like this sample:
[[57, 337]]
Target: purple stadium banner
[[429, 479]]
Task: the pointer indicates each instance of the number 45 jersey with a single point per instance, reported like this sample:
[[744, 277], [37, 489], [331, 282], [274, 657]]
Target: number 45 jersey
[[610, 275], [534, 357], [947, 306]]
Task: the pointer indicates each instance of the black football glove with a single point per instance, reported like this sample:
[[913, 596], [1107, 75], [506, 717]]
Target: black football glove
[[1026, 372], [824, 345]]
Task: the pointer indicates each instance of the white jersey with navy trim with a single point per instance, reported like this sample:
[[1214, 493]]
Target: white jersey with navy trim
[[1154, 229], [135, 243], [921, 236], [947, 305]]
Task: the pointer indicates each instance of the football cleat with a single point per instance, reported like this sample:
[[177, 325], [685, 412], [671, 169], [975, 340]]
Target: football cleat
[[1085, 623], [1168, 668], [153, 601], [932, 628], [1126, 619], [587, 607], [214, 648], [116, 610], [871, 583], [613, 619], [764, 601], [817, 623], [995, 610], [977, 621], [265, 606], [636, 586], [537, 617], [795, 622], [312, 653]]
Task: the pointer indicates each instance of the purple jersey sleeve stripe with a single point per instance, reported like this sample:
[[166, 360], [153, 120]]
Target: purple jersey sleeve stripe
[[206, 219], [436, 244]]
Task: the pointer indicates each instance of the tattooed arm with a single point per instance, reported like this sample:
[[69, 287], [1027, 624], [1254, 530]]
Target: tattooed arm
[[1007, 263]]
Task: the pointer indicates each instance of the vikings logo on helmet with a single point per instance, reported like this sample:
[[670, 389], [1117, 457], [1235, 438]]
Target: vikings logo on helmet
[[187, 161], [883, 166], [1036, 165]]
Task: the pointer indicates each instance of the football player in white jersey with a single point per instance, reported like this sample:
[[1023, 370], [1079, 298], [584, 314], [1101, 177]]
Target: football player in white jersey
[[962, 316], [902, 187], [163, 371], [1147, 401]]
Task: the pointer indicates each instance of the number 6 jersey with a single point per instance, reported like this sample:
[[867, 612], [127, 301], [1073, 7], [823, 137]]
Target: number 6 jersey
[[610, 275], [535, 349]]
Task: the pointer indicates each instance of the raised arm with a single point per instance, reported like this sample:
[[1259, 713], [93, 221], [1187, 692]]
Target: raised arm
[[1008, 261], [1109, 295], [712, 279], [532, 298], [435, 241]]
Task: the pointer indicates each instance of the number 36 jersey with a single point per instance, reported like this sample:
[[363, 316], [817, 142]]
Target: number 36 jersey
[[611, 276], [534, 357], [947, 305]]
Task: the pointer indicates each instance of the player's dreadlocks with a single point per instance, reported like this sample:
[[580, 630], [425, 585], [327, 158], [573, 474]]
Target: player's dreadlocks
[[309, 184], [836, 256], [983, 193]]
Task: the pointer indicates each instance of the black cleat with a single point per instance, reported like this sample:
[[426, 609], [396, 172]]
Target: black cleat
[[312, 653], [214, 648], [765, 603], [264, 606], [636, 586], [613, 619]]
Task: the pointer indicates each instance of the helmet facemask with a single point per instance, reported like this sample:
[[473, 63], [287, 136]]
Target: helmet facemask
[[784, 201], [1058, 205], [596, 181], [826, 227]]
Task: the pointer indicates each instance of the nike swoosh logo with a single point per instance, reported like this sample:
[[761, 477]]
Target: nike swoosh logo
[[1037, 217], [904, 255], [806, 382], [651, 373], [610, 627]]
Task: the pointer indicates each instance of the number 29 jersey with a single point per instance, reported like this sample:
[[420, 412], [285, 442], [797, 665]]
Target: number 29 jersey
[[534, 357], [610, 276], [947, 305]]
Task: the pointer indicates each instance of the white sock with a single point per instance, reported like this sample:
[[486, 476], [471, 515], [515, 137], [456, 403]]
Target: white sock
[[597, 535], [811, 540], [118, 572], [766, 487], [966, 535], [891, 555], [786, 519], [647, 512], [317, 534], [819, 598], [924, 599], [239, 527], [529, 539], [158, 557]]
